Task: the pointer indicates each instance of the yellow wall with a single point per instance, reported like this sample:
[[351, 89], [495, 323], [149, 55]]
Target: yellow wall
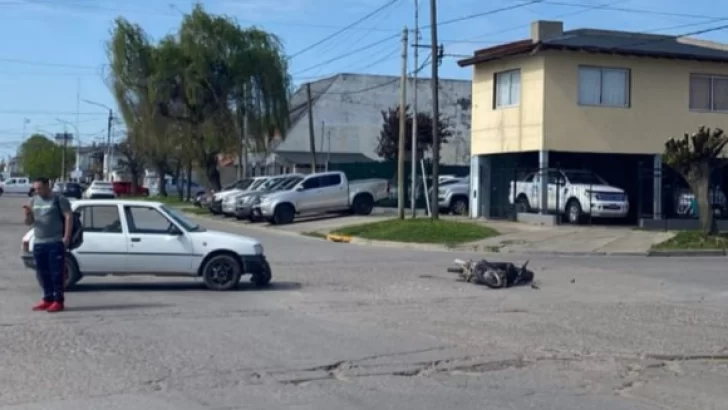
[[508, 129], [658, 111]]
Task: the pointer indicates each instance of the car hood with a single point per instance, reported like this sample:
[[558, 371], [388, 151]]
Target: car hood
[[217, 239], [225, 194], [604, 188]]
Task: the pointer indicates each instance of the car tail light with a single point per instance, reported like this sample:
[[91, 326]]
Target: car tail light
[[26, 246]]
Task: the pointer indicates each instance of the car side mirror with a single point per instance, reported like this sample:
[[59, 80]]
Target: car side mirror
[[174, 230], [299, 188]]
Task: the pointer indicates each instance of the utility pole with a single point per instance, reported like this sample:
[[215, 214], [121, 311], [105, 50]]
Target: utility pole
[[63, 153], [108, 144], [328, 156], [244, 135], [413, 173], [435, 214], [311, 135], [402, 129]]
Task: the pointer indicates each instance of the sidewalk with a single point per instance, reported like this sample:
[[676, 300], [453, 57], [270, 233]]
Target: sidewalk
[[516, 237], [565, 239]]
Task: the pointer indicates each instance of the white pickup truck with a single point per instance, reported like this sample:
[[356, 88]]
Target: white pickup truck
[[573, 193], [321, 193], [16, 185], [123, 237]]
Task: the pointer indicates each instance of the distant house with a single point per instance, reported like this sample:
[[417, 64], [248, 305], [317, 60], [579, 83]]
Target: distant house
[[347, 118]]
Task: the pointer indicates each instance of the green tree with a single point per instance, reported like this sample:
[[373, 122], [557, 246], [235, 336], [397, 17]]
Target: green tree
[[42, 157], [229, 72], [388, 143], [695, 157]]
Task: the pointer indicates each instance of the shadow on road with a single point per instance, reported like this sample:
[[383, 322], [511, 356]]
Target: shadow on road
[[177, 287], [95, 308]]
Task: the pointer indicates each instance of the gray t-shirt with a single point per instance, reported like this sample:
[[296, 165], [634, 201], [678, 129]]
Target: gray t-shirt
[[48, 220]]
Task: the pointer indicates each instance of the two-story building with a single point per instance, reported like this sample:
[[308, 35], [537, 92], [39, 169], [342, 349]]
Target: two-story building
[[605, 101]]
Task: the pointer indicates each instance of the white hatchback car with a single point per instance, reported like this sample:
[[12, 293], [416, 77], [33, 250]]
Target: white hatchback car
[[124, 237]]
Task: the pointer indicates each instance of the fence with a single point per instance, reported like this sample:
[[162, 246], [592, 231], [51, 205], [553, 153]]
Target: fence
[[676, 201], [365, 170], [388, 170]]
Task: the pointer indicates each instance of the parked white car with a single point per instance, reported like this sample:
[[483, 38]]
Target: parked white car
[[100, 190], [453, 196], [124, 237], [573, 193], [321, 193], [260, 184], [17, 185]]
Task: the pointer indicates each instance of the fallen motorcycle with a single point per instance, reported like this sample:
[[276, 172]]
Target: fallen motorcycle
[[495, 275]]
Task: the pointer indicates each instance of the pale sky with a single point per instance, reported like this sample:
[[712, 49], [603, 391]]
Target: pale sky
[[54, 50]]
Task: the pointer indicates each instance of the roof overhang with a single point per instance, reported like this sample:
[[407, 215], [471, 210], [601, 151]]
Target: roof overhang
[[529, 47]]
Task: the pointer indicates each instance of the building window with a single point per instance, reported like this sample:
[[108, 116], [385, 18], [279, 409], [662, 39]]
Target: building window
[[708, 93], [607, 87], [507, 88]]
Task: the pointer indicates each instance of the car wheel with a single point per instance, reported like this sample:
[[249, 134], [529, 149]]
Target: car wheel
[[262, 278], [574, 212], [459, 206], [221, 272], [363, 204], [283, 214], [71, 274]]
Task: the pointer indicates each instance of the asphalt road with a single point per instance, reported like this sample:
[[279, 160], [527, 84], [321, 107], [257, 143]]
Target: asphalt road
[[354, 327]]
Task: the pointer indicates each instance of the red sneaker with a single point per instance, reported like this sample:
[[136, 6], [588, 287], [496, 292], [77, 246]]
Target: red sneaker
[[55, 307], [43, 305]]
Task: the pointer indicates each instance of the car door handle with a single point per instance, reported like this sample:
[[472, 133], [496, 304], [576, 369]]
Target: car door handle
[[136, 239]]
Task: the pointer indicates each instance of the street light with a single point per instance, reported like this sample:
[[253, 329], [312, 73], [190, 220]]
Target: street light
[[78, 143], [109, 149]]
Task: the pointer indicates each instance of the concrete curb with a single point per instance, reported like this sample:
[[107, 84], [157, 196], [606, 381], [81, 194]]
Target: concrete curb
[[688, 253], [697, 253]]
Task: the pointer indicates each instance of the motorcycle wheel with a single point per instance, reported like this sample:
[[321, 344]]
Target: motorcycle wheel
[[486, 274]]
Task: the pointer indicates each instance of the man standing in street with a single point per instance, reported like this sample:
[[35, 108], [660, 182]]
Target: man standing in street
[[52, 221]]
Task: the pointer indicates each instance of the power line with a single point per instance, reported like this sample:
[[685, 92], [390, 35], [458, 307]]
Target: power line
[[389, 3], [31, 112], [348, 54], [374, 87], [147, 12], [455, 20], [632, 10], [357, 69], [483, 14], [520, 26], [351, 39]]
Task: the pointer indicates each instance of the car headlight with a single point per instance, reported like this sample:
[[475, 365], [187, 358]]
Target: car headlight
[[256, 200], [258, 249]]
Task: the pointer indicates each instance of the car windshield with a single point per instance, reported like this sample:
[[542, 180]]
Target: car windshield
[[241, 184], [271, 183], [258, 184], [584, 177], [290, 183], [181, 219]]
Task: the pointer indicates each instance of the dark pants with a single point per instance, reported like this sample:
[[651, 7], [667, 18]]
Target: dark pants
[[50, 266]]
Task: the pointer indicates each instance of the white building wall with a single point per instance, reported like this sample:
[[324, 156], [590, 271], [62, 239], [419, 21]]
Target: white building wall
[[354, 119]]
